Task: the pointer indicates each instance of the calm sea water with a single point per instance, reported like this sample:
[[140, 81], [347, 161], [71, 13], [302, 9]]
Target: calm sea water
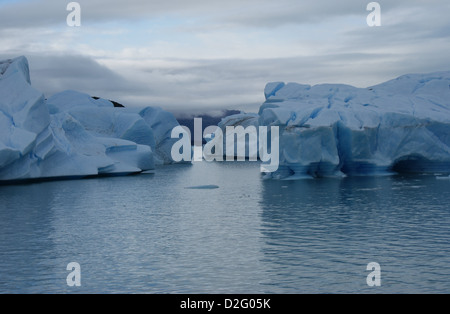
[[149, 234]]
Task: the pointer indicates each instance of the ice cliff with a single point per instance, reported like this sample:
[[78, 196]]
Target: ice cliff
[[72, 134], [402, 125]]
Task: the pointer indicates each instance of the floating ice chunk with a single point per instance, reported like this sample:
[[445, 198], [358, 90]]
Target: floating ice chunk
[[203, 187]]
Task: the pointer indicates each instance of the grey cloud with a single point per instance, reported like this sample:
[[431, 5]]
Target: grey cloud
[[249, 12], [362, 56], [240, 83], [54, 73], [212, 83]]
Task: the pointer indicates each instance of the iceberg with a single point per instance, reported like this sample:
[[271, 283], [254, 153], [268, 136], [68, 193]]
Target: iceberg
[[72, 134], [400, 126], [245, 120], [162, 123]]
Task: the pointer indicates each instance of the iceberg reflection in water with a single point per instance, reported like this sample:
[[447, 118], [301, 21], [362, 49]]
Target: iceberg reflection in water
[[150, 234]]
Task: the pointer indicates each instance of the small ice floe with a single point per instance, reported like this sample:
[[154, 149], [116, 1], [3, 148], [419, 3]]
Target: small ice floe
[[203, 187], [369, 189], [443, 178]]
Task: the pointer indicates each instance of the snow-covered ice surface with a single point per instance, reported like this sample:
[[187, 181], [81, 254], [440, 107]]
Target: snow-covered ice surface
[[73, 135], [402, 125]]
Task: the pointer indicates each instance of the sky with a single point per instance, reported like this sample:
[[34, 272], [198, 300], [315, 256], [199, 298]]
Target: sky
[[210, 54]]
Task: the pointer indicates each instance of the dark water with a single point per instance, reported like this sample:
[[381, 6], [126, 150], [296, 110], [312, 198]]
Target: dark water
[[150, 234]]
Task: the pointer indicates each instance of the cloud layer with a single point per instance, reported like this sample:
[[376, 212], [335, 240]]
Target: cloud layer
[[220, 54]]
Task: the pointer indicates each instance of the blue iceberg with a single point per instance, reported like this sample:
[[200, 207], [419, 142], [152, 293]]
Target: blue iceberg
[[72, 134], [402, 125]]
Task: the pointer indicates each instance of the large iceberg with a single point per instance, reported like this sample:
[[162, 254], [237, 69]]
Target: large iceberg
[[402, 125], [72, 134]]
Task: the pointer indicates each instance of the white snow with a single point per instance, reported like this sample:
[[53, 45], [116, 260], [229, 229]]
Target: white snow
[[73, 135]]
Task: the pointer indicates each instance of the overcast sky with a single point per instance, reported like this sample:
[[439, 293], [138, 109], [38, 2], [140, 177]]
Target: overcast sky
[[208, 54]]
